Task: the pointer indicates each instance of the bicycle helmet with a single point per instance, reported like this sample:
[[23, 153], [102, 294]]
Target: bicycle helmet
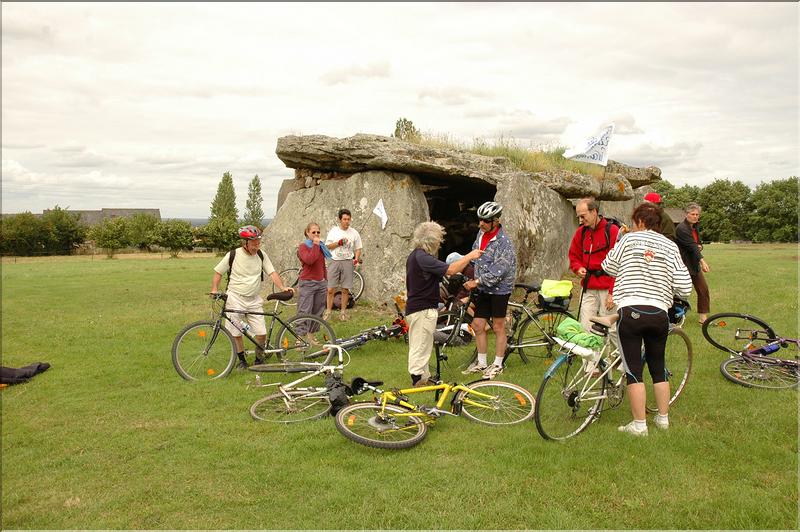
[[250, 232], [489, 211]]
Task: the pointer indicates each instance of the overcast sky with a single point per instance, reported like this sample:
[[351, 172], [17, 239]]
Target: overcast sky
[[146, 105]]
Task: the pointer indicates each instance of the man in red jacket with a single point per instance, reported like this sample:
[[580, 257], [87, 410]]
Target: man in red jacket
[[589, 247]]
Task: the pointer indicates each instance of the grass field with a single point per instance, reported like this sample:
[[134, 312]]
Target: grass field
[[110, 437]]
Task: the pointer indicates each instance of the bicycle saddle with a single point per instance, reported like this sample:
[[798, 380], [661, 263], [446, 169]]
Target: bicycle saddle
[[357, 385], [528, 287], [281, 296]]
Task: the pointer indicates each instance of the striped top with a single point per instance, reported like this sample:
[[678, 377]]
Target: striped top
[[649, 270]]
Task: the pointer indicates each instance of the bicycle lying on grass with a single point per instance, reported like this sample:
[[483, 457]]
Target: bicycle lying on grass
[[580, 381], [751, 342], [204, 350]]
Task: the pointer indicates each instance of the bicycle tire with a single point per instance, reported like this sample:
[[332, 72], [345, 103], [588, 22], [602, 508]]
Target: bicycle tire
[[561, 412], [733, 332], [361, 423], [291, 279], [766, 372], [297, 348], [537, 334], [509, 405], [358, 285], [457, 347], [203, 351], [291, 406], [677, 365]]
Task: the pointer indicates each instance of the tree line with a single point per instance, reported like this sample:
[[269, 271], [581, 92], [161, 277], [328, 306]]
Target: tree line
[[60, 232], [732, 211]]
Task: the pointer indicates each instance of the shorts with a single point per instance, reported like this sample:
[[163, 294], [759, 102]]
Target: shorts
[[340, 274], [250, 304], [491, 305]]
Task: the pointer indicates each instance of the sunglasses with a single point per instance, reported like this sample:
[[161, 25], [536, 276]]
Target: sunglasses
[[314, 232]]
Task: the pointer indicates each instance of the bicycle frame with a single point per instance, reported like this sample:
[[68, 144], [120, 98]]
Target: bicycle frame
[[322, 369], [443, 390]]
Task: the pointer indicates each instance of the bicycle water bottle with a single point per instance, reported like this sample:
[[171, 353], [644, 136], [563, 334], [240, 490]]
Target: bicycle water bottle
[[245, 326], [769, 348]]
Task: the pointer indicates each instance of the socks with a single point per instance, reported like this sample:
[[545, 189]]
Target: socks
[[640, 425], [498, 361], [482, 359], [241, 356]]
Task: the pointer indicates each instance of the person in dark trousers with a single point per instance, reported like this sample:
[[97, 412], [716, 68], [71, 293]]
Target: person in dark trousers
[[687, 236], [313, 284]]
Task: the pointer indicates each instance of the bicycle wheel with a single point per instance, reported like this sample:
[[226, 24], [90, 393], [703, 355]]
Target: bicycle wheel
[[457, 337], [291, 406], [733, 332], [569, 399], [536, 335], [508, 404], [302, 338], [761, 372], [290, 278], [677, 365], [203, 351], [358, 285], [389, 427]]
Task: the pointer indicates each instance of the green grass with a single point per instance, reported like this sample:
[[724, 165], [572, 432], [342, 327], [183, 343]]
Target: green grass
[[526, 158], [111, 437]]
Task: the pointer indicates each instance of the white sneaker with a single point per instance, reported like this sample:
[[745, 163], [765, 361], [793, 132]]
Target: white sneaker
[[475, 367], [662, 424], [630, 428], [492, 371]]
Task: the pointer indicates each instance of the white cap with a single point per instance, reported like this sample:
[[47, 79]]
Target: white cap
[[451, 258]]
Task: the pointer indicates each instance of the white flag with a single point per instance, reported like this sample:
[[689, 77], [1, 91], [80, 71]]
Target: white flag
[[381, 213], [595, 150]]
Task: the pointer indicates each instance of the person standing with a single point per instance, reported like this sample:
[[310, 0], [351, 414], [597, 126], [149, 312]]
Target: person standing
[[313, 280], [424, 272], [667, 227], [649, 273], [592, 241], [246, 267], [687, 236], [344, 242], [494, 278]]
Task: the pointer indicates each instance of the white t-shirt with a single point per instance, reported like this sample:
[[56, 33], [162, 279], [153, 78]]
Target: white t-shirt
[[346, 252], [246, 274]]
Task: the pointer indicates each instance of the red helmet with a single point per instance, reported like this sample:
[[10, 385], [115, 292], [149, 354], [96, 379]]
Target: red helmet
[[250, 232]]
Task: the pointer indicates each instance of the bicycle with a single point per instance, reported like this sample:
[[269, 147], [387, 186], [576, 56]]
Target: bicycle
[[531, 333], [751, 342], [577, 384], [291, 279], [205, 350]]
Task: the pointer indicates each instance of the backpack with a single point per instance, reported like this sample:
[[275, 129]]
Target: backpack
[[610, 220], [337, 392], [232, 255], [337, 300]]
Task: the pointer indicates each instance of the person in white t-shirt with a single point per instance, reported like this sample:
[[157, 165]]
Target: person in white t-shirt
[[345, 245], [244, 284]]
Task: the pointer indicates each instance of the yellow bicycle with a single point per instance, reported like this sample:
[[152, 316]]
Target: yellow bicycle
[[390, 421]]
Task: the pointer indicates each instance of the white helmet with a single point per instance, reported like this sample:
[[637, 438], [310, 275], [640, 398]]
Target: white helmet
[[489, 211]]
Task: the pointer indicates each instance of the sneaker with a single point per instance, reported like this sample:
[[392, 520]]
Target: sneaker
[[661, 424], [492, 371], [343, 316], [475, 367], [424, 382], [630, 428], [326, 315], [242, 364], [311, 339], [258, 361]]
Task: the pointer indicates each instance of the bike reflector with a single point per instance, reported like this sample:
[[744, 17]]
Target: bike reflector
[[201, 334], [285, 343], [210, 371], [520, 399], [351, 420]]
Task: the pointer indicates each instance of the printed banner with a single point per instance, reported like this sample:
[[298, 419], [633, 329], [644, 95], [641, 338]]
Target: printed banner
[[595, 150]]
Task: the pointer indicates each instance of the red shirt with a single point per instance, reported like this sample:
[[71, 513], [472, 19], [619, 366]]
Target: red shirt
[[486, 237], [588, 249], [313, 263]]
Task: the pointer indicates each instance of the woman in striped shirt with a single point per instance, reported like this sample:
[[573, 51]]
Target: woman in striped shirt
[[649, 272]]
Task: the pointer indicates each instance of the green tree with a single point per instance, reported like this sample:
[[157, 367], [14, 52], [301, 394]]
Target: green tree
[[111, 235], [174, 235], [674, 197], [726, 210], [63, 230], [404, 130], [222, 223], [254, 214], [22, 234], [141, 228], [774, 217]]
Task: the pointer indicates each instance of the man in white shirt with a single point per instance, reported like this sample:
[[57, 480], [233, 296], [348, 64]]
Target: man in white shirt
[[345, 245], [246, 272]]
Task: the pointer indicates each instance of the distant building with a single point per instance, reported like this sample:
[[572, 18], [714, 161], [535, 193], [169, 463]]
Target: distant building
[[97, 217]]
